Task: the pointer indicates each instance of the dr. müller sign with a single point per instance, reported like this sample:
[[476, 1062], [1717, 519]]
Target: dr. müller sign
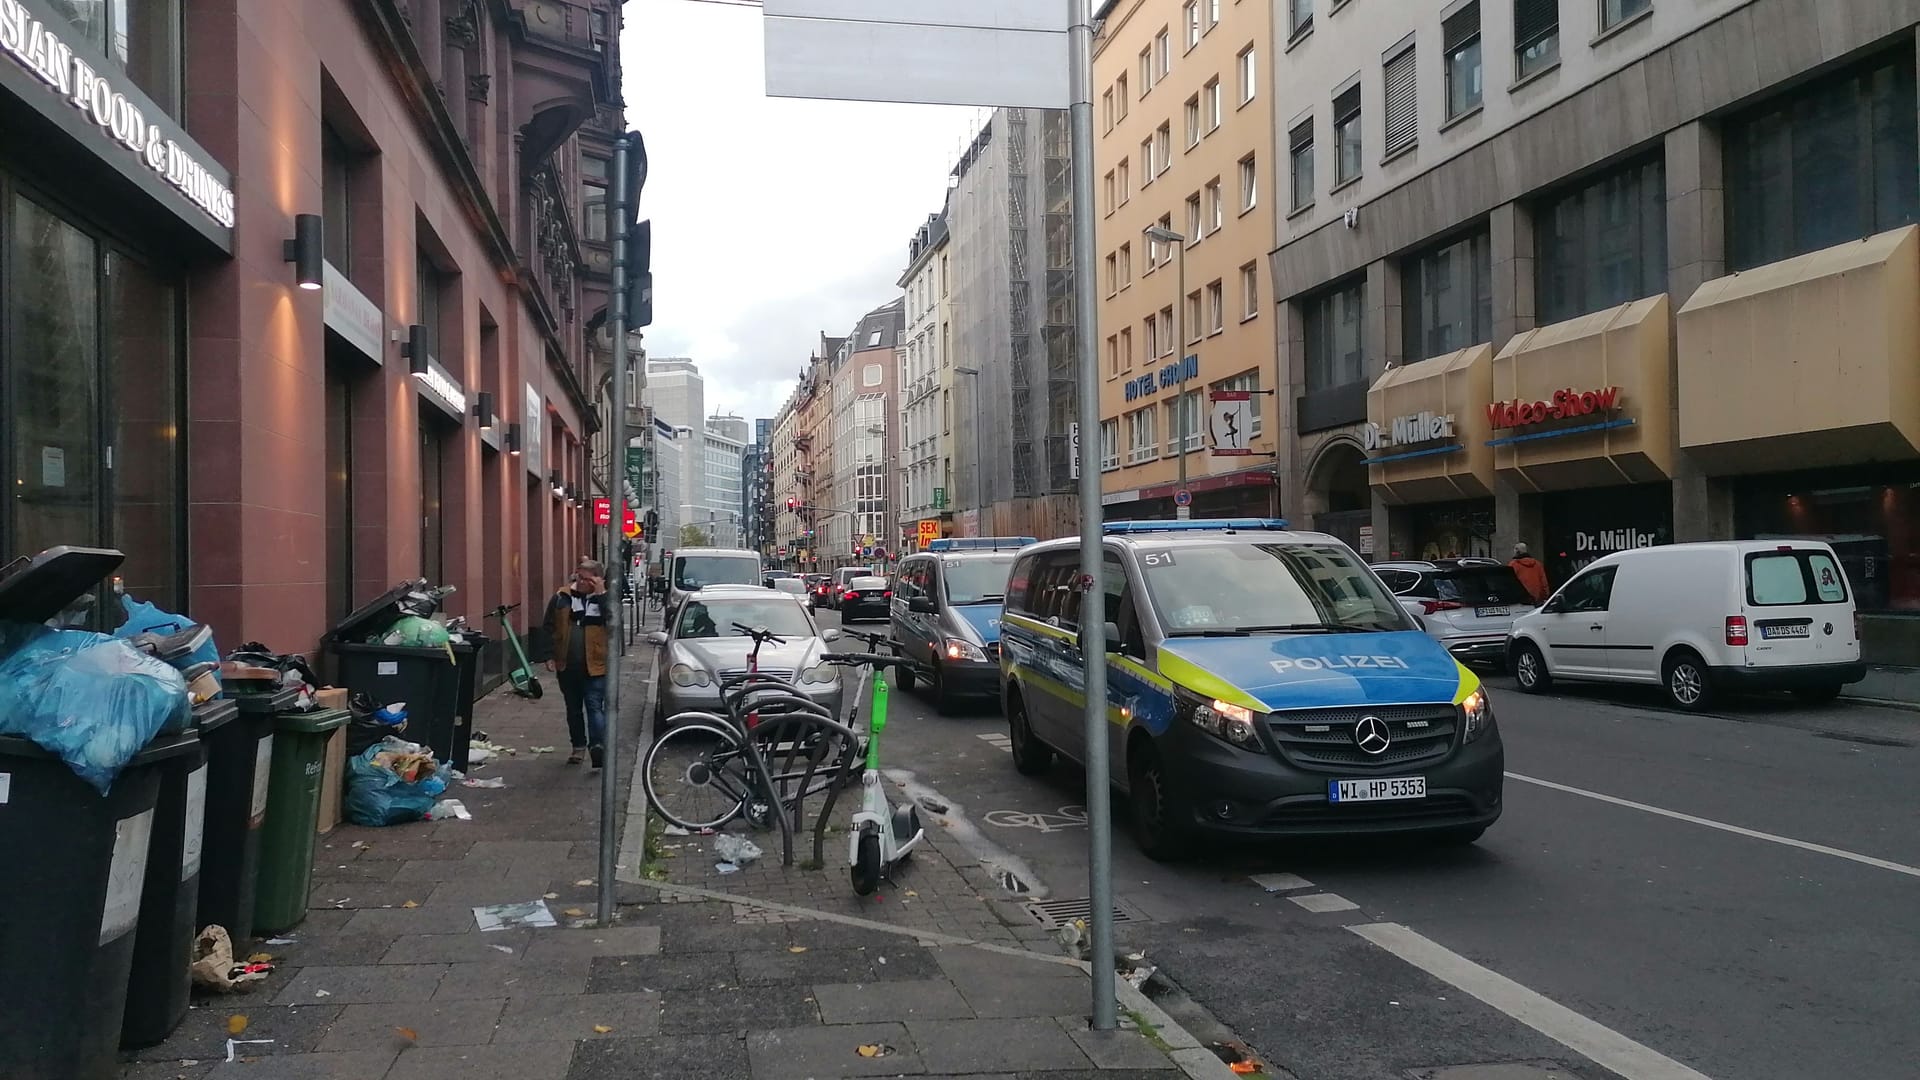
[[122, 115]]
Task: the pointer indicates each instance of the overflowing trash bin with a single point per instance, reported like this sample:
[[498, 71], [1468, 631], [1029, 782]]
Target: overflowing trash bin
[[293, 810], [394, 653], [89, 725]]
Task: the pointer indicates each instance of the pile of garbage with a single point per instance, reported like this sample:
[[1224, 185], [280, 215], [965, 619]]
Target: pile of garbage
[[393, 782]]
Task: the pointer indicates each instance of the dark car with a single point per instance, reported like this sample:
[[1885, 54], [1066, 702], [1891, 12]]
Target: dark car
[[865, 598]]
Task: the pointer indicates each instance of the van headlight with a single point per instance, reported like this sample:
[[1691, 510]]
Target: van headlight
[[1476, 714], [965, 650], [688, 675], [821, 675], [1223, 720]]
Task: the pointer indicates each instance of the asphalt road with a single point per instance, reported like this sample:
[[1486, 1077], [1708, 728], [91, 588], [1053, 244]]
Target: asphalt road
[[1732, 896]]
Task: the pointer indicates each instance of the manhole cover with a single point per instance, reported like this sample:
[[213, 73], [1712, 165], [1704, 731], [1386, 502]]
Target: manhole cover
[[1054, 914], [1499, 1070]]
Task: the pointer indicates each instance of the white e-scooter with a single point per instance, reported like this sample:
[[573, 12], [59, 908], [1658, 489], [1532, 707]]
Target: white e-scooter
[[882, 834]]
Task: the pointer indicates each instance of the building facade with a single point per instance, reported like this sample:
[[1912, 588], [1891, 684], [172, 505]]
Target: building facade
[[865, 440], [1010, 237], [275, 441], [677, 392], [715, 489], [669, 470], [1571, 273], [1184, 134], [926, 382]]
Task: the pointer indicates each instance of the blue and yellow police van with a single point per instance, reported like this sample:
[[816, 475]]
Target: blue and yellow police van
[[945, 615], [1260, 682]]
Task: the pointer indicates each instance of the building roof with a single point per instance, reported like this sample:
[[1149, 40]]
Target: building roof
[[882, 327]]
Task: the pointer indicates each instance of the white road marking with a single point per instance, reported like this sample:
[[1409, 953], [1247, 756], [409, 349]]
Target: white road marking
[[1324, 902], [1589, 1038], [1280, 882], [1788, 841], [997, 741]]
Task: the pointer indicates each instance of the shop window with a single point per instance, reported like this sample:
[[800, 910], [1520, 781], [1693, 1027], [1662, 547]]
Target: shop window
[[1448, 296], [1334, 352], [1827, 163], [1602, 244], [141, 37], [142, 347], [1869, 516]]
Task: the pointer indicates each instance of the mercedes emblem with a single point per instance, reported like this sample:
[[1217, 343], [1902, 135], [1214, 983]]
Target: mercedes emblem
[[1372, 735]]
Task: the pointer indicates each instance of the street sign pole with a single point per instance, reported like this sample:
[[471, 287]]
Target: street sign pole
[[616, 568], [1093, 615]]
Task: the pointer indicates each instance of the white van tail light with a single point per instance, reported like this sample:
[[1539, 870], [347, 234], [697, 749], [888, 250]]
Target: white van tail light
[[1736, 629]]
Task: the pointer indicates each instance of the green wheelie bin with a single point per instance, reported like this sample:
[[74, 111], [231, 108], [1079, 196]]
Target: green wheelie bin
[[293, 811]]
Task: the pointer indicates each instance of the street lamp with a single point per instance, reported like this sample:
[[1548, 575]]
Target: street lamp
[[979, 488], [1168, 236]]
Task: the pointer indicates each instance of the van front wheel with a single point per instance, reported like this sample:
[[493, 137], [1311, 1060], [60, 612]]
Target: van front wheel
[[1685, 679], [1530, 668]]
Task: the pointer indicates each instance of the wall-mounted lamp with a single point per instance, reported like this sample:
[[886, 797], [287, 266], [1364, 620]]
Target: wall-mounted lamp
[[306, 250], [559, 490], [483, 408], [415, 349], [513, 440]]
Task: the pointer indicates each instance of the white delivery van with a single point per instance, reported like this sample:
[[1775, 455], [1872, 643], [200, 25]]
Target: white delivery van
[[696, 568], [1696, 619]]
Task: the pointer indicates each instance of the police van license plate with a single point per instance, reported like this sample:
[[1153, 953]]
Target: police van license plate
[[1383, 790]]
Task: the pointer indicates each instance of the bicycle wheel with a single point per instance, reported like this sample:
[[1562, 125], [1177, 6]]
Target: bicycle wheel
[[696, 776]]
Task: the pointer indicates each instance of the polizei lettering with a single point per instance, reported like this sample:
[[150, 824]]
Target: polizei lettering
[[1338, 663], [116, 113], [1564, 404]]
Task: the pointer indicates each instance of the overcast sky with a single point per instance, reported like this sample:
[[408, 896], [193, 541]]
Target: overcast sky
[[773, 219]]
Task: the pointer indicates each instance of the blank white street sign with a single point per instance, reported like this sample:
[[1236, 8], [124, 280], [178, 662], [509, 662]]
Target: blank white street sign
[[840, 60], [981, 14], [1231, 423]]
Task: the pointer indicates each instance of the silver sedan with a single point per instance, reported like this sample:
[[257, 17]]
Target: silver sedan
[[703, 648]]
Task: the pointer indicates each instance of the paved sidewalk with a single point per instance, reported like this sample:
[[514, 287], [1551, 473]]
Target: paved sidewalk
[[390, 979]]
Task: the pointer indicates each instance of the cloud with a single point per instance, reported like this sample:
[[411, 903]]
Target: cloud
[[773, 220]]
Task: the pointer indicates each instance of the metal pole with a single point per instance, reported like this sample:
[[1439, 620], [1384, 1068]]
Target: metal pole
[[1180, 393], [1092, 602], [616, 574]]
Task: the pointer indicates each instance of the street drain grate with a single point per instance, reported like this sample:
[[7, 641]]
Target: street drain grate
[[1054, 914]]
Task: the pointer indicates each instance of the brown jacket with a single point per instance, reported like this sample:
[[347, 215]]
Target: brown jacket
[[560, 625], [1533, 576]]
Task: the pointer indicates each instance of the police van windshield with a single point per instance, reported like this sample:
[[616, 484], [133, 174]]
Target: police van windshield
[[979, 580], [1235, 589], [699, 571]]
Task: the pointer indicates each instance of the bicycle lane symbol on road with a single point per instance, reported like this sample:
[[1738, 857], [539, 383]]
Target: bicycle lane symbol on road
[[1067, 817]]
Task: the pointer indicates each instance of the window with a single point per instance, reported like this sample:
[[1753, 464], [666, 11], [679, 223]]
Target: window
[[1163, 147], [427, 285], [1299, 17], [593, 198], [1300, 163], [1447, 293], [1113, 274], [1146, 71], [1210, 95], [873, 341], [1150, 333], [1193, 326], [1332, 325], [1192, 424], [1536, 36], [1346, 136], [1216, 307], [1113, 355], [1215, 212], [1213, 13], [141, 37], [1401, 91], [1249, 68], [1142, 443], [1125, 181], [1126, 348], [1120, 97], [1830, 162], [1794, 577], [1126, 265], [1190, 18], [1193, 121], [1246, 380], [1250, 290], [1591, 591], [1166, 250], [1106, 109], [1166, 330], [1615, 12], [1460, 40], [1109, 444], [1249, 183], [1194, 230], [1110, 202], [1602, 244], [1162, 54], [336, 199], [1147, 171]]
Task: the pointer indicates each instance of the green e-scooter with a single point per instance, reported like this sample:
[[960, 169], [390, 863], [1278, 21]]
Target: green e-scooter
[[525, 682]]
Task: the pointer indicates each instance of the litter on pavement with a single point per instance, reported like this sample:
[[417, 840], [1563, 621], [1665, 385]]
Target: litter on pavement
[[489, 782], [736, 849], [447, 808], [513, 916]]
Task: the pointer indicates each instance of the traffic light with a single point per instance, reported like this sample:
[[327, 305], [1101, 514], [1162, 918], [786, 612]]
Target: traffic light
[[793, 506]]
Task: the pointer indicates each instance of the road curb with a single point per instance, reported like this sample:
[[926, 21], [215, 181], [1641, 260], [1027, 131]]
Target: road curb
[[1186, 1052]]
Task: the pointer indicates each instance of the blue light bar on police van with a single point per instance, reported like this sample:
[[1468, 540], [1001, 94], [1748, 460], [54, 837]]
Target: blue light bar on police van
[[1129, 528], [980, 543]]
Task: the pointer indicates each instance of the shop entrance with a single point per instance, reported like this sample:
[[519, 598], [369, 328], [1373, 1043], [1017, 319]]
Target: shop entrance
[[433, 490], [1339, 498], [1581, 526]]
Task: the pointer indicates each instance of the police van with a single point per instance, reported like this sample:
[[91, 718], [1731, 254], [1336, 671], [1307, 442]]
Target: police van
[[946, 614], [1260, 682]]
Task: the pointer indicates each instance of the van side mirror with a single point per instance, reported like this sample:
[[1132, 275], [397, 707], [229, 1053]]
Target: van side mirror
[[923, 605], [1554, 606]]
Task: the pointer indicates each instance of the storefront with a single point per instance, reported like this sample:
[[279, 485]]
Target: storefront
[[1428, 457], [106, 208], [1871, 516], [1250, 493], [1582, 526]]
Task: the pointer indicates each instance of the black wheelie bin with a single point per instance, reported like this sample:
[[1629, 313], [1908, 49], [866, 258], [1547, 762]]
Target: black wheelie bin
[[427, 680]]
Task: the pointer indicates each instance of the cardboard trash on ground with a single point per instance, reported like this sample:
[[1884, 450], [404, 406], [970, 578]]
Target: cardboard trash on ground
[[214, 967]]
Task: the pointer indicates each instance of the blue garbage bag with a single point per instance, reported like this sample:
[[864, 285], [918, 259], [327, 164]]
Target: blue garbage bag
[[87, 698], [377, 795], [143, 617]]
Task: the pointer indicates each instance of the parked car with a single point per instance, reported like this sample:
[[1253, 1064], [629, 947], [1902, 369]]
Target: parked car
[[1468, 605], [796, 588], [1696, 619], [700, 648], [946, 615], [865, 598]]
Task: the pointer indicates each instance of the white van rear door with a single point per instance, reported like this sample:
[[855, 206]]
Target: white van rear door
[[1799, 608]]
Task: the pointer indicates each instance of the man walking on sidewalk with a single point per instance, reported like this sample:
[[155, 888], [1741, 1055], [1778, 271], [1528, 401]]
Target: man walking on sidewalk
[[577, 620]]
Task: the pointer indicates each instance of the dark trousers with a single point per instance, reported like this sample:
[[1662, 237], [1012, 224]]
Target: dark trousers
[[586, 706]]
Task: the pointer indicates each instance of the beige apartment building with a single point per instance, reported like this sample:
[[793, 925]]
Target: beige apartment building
[[1184, 129]]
